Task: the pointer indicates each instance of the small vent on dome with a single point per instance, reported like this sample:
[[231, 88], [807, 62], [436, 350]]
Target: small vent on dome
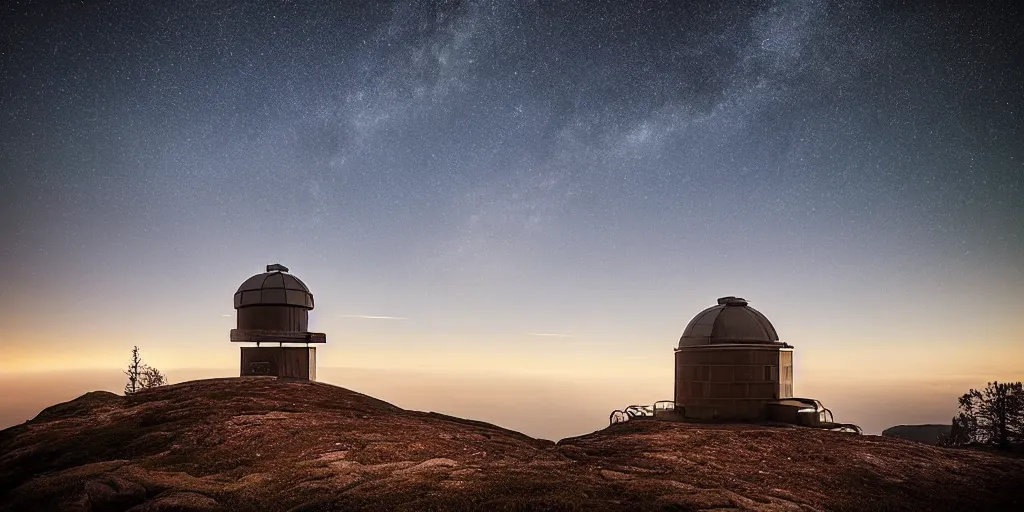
[[276, 267], [732, 301]]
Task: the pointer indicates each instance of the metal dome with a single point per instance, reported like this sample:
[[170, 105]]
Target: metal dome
[[732, 321], [273, 288]]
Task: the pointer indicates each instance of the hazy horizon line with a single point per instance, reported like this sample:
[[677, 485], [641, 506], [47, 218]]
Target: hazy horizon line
[[525, 373]]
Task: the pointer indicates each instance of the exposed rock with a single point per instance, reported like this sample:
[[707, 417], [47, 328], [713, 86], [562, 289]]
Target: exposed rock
[[267, 444], [178, 502]]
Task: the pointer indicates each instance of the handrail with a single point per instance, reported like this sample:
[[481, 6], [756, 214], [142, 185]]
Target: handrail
[[826, 419], [617, 416]]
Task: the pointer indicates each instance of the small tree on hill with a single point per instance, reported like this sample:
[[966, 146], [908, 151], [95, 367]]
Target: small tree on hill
[[134, 372], [151, 378], [991, 416], [140, 375]]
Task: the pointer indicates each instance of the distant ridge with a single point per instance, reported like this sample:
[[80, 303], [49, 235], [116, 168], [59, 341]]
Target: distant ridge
[[928, 434]]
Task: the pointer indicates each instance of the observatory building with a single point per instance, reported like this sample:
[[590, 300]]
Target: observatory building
[[273, 311], [730, 365], [731, 368]]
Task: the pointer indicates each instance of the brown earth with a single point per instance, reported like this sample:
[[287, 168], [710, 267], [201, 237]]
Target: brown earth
[[265, 444]]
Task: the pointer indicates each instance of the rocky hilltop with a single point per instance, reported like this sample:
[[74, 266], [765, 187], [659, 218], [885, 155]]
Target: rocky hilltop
[[259, 444]]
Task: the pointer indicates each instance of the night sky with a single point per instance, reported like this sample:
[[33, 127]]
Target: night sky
[[525, 186]]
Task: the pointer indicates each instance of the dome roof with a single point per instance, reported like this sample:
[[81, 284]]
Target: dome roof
[[731, 321], [273, 288]]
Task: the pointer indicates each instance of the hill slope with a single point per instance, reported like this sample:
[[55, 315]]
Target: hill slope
[[264, 444]]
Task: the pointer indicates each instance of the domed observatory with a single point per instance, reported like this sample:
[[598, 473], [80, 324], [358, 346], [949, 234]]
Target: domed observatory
[[730, 364], [273, 308]]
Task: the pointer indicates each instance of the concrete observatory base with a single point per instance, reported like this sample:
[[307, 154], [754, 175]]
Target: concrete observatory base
[[288, 362]]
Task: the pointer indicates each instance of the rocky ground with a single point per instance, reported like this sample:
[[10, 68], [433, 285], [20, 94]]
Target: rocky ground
[[258, 444]]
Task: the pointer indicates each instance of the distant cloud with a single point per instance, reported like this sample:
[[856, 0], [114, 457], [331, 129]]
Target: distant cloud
[[549, 334], [374, 317], [227, 316]]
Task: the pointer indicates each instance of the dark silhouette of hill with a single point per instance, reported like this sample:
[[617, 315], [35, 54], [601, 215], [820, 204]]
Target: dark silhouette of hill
[[928, 434], [259, 444]]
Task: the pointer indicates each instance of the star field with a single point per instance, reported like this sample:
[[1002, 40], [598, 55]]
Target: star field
[[481, 171]]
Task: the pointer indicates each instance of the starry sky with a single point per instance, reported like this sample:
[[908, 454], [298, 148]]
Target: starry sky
[[522, 187]]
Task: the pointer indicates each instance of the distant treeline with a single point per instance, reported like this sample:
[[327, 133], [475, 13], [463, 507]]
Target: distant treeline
[[993, 416]]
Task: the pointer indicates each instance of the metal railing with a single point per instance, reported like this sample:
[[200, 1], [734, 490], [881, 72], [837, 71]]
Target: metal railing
[[640, 411], [825, 418]]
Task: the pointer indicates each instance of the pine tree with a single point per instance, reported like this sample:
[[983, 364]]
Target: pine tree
[[990, 416], [134, 372]]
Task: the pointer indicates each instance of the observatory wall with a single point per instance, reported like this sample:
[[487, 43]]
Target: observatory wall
[[273, 318], [731, 382], [289, 362]]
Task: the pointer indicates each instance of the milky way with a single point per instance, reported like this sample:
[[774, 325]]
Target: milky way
[[510, 167]]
